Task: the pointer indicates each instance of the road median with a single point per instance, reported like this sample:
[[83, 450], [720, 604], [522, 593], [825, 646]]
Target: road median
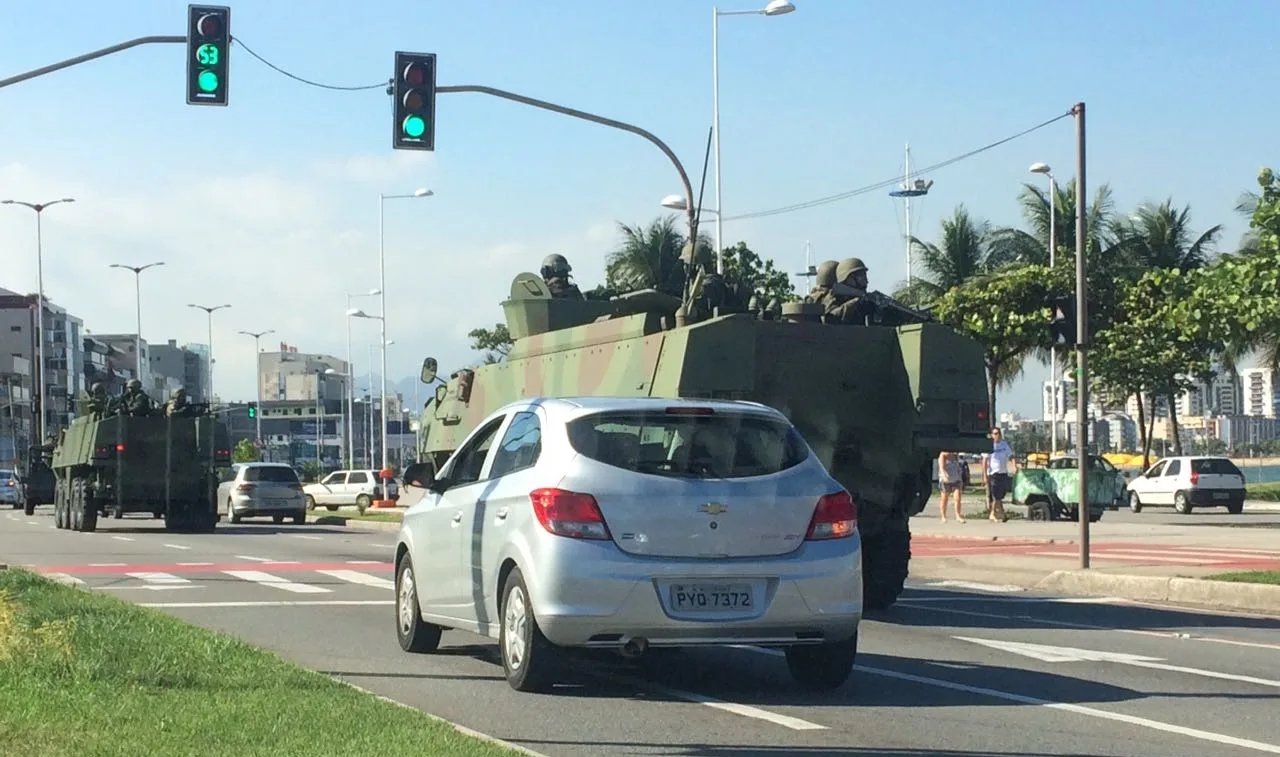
[[1231, 595], [84, 673]]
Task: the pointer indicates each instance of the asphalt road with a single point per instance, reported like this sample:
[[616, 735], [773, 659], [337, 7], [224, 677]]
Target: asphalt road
[[951, 671]]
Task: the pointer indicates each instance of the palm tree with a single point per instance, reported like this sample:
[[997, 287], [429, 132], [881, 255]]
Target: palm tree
[[648, 258], [963, 252], [1158, 236]]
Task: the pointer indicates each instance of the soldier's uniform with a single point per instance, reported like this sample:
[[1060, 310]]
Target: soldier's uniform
[[555, 272], [825, 279], [706, 289], [177, 406]]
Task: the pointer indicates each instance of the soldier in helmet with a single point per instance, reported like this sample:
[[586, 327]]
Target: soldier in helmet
[[134, 401], [555, 272], [96, 401], [706, 289], [825, 279], [178, 406], [849, 303]]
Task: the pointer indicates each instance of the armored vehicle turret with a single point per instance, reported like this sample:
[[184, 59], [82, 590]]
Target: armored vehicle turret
[[116, 463], [877, 402]]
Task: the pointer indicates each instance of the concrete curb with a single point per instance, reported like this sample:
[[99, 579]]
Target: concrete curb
[[1012, 539], [1191, 591], [375, 525]]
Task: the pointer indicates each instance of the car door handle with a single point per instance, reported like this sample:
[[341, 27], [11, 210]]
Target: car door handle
[[457, 518], [501, 514]]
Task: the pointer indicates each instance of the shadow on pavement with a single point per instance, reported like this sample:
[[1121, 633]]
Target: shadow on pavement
[[960, 609], [240, 529]]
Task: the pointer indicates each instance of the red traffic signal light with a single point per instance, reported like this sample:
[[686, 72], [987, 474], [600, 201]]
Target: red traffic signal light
[[209, 25]]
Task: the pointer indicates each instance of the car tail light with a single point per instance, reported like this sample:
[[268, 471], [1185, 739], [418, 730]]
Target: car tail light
[[570, 514], [244, 488], [1195, 477], [105, 451], [13, 483], [222, 454], [835, 517]]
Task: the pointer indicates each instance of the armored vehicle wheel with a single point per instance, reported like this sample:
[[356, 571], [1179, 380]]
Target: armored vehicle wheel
[[59, 506], [75, 516], [117, 512], [84, 507], [823, 667], [885, 558], [30, 508]]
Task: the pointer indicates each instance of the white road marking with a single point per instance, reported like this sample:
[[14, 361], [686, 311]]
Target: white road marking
[[305, 536], [177, 546], [1046, 653], [254, 559], [1041, 600], [64, 578], [150, 587], [122, 538], [382, 546], [1154, 725], [365, 562], [157, 577], [266, 579], [30, 522], [107, 564], [193, 564], [356, 577], [280, 603], [746, 711]]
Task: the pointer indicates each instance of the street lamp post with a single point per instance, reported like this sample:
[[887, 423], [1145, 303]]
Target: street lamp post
[[257, 379], [774, 8], [39, 207], [350, 392], [137, 289], [382, 286], [1053, 250], [209, 312], [320, 372]]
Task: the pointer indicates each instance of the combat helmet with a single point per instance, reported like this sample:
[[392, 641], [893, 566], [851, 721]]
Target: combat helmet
[[97, 388], [848, 267], [555, 265], [134, 385], [826, 274], [696, 255]]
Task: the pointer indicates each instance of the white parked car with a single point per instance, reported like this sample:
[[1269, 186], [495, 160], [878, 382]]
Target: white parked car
[[630, 523], [1189, 482], [347, 488]]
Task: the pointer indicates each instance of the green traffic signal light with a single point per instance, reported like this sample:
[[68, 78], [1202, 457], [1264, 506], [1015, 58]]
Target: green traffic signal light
[[207, 81], [253, 411], [414, 126]]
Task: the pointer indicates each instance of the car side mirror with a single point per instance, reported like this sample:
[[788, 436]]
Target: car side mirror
[[429, 369], [420, 475]]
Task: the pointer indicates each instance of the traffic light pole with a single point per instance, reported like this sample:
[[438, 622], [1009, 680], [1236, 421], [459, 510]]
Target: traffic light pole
[[69, 62], [1082, 337]]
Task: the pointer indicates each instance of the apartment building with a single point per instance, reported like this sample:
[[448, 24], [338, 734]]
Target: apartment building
[[63, 371]]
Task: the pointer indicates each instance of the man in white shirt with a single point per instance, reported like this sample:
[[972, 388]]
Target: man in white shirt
[[997, 467]]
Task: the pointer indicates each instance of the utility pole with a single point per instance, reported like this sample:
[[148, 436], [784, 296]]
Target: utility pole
[[137, 297], [257, 379], [1082, 336]]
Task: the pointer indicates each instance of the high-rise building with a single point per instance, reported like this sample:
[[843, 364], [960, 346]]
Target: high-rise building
[[63, 371]]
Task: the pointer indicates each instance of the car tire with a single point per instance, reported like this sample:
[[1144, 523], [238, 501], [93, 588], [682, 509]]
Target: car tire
[[363, 502], [311, 502], [824, 667], [300, 518], [414, 634], [277, 519], [29, 508], [1181, 503], [235, 516], [1039, 510], [528, 659], [1235, 508], [1135, 504]]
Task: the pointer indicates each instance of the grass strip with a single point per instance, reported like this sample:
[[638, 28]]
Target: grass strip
[[1268, 492], [83, 674], [1249, 577]]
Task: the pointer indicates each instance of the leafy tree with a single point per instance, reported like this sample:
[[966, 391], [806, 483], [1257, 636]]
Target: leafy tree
[[648, 258], [1250, 280], [1007, 313], [495, 343], [244, 452], [761, 277]]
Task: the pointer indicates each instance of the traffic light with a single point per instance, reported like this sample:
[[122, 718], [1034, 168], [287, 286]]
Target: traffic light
[[414, 93], [253, 410], [1062, 323], [208, 46]]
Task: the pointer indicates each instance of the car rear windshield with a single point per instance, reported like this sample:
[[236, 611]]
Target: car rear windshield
[[721, 445], [280, 474], [6, 475], [1215, 465]]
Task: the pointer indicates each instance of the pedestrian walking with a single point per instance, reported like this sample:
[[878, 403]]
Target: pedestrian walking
[[950, 482], [995, 475]]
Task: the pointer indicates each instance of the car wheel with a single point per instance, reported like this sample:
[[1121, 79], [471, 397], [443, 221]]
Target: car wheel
[[823, 667], [363, 502], [1235, 508], [1181, 503], [414, 634], [311, 502], [1135, 505], [235, 516], [1039, 511], [277, 519], [527, 657], [300, 518]]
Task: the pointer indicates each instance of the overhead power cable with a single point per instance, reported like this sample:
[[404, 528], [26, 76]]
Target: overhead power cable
[[895, 180], [295, 77]]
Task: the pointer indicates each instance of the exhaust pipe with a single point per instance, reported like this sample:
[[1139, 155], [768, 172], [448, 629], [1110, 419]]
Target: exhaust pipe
[[634, 647]]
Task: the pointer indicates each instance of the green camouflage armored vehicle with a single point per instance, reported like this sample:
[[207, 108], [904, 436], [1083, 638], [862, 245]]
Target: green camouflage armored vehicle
[[117, 464], [877, 403]]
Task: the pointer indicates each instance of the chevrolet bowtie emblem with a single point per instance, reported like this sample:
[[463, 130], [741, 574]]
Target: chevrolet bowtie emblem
[[712, 508]]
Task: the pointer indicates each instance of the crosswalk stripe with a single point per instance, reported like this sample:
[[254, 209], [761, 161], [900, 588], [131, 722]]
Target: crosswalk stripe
[[356, 577], [156, 577], [266, 579]]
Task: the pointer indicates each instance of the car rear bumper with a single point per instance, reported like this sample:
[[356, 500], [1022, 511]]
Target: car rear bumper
[[595, 595], [1215, 497], [243, 505]]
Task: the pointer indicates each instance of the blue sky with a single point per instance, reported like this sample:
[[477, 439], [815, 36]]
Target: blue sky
[[270, 204]]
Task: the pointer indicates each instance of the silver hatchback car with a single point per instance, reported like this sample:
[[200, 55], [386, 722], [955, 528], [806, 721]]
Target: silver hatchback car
[[253, 489], [630, 523]]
